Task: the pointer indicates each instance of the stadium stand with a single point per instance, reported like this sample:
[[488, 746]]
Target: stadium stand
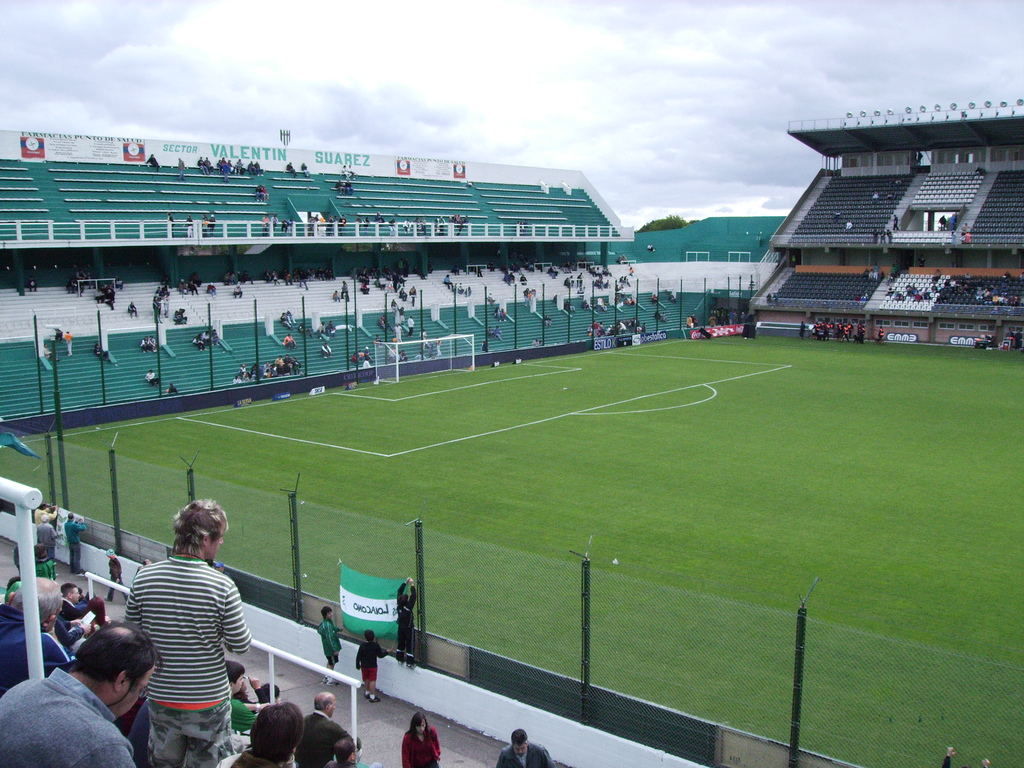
[[852, 210], [936, 199], [828, 287], [1001, 219]]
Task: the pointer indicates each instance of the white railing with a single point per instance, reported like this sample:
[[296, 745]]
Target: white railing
[[272, 654], [32, 233]]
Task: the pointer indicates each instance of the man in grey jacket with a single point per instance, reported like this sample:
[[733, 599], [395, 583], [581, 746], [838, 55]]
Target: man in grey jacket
[[522, 754], [112, 668]]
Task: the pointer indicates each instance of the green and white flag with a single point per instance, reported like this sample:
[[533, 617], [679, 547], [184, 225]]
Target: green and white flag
[[369, 602]]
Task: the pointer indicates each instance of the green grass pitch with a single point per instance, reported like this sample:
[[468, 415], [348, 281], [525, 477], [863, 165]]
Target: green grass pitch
[[724, 477]]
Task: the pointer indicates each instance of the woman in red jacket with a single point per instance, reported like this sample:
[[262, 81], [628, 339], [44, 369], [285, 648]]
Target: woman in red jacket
[[420, 747]]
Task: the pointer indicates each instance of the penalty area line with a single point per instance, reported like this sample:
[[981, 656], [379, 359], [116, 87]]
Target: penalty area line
[[284, 437], [456, 389]]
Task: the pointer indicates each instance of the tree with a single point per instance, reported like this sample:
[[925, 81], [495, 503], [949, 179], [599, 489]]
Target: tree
[[669, 222]]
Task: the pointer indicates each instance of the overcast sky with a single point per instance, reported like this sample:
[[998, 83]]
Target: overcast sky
[[667, 107]]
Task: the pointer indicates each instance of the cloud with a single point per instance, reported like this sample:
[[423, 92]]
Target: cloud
[[681, 107]]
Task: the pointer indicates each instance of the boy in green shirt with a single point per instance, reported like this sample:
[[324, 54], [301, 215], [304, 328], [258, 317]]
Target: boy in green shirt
[[329, 637]]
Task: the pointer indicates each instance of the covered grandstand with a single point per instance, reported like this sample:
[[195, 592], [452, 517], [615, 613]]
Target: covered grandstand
[[924, 211], [358, 248]]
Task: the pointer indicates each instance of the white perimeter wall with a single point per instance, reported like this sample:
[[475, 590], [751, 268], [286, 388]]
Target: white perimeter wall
[[497, 716]]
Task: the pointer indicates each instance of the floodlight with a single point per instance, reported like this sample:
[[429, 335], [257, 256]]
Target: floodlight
[[938, 107], [970, 105], [877, 113], [888, 111], [1020, 102], [924, 108], [1002, 104], [953, 105], [988, 104], [908, 110], [863, 113], [849, 114]]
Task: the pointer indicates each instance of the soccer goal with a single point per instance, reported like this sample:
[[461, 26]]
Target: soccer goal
[[393, 359]]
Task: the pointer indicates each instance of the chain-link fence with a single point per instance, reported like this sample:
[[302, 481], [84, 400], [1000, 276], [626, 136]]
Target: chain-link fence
[[669, 666]]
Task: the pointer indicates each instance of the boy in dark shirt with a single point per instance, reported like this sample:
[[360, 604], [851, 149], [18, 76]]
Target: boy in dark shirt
[[366, 661]]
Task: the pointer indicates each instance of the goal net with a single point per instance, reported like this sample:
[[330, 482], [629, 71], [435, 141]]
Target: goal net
[[394, 359]]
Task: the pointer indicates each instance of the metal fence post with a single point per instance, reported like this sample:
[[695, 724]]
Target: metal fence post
[[115, 504], [39, 370], [306, 331], [64, 501], [421, 610], [256, 338], [293, 513], [584, 632], [102, 357], [190, 478], [798, 680], [51, 477], [209, 331]]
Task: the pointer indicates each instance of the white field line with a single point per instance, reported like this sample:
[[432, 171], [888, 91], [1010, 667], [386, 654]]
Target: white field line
[[585, 411], [674, 357], [562, 369], [283, 437]]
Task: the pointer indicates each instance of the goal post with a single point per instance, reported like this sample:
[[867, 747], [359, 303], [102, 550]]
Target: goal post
[[394, 359]]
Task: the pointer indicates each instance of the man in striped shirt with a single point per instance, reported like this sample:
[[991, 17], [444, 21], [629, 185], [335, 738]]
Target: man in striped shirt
[[192, 612]]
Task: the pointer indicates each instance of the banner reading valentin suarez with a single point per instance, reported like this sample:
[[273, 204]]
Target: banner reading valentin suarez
[[369, 602]]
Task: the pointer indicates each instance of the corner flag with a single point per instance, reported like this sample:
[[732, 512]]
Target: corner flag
[[369, 602]]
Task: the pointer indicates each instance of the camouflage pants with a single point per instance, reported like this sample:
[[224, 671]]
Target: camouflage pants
[[196, 738]]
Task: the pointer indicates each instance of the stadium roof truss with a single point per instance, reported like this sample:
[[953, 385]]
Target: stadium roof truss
[[833, 138]]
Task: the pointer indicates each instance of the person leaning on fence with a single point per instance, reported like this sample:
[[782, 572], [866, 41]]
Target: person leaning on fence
[[406, 647]]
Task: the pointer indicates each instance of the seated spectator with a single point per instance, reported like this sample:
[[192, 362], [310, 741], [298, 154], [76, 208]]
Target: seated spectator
[[325, 350], [319, 733], [179, 316], [290, 169], [75, 605], [244, 711], [171, 389], [153, 163], [132, 310], [289, 341], [237, 292], [211, 290], [305, 170], [152, 379], [13, 653], [275, 734], [112, 668]]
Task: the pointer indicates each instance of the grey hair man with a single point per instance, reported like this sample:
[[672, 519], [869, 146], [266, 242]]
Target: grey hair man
[[113, 667], [522, 754], [13, 649], [319, 734], [193, 612]]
